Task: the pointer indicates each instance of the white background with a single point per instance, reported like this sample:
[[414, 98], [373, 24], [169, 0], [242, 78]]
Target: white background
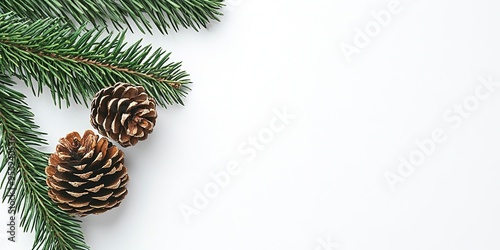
[[320, 180]]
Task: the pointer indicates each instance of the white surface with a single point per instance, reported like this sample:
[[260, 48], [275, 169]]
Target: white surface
[[322, 178]]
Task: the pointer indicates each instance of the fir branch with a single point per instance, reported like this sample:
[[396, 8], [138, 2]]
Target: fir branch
[[19, 137], [164, 14], [77, 64]]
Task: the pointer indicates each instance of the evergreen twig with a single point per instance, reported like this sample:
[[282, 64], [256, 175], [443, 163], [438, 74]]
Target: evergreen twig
[[164, 14], [76, 64], [19, 137]]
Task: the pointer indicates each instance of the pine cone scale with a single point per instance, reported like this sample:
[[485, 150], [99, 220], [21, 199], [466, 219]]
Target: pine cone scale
[[79, 204], [85, 175], [95, 189], [77, 195], [65, 198]]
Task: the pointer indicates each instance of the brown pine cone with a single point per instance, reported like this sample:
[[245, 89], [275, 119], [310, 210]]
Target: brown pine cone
[[86, 174], [124, 113]]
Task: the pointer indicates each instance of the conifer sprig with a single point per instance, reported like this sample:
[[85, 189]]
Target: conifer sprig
[[75, 64], [19, 137], [164, 14]]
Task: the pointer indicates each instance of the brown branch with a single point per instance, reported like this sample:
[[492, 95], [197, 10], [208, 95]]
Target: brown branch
[[79, 59]]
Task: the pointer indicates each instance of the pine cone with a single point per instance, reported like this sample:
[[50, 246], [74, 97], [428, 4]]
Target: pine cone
[[124, 113], [86, 174]]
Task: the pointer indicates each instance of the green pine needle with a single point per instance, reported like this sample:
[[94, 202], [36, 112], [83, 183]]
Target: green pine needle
[[164, 14], [77, 64], [19, 137]]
